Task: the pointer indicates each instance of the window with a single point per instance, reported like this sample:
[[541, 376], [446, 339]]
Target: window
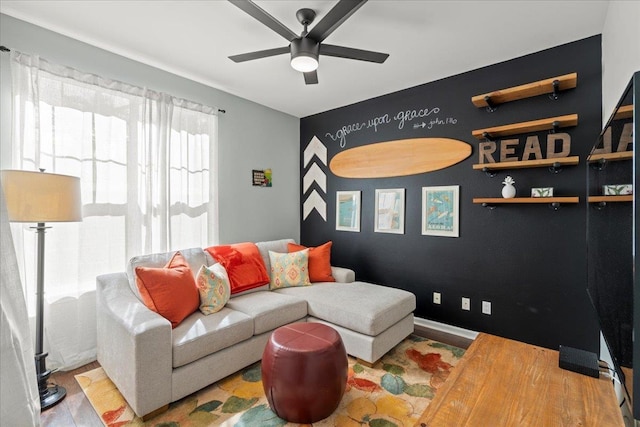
[[147, 165]]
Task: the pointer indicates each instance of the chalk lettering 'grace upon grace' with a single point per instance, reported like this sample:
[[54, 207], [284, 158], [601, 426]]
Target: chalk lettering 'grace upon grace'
[[341, 134], [401, 117], [408, 115]]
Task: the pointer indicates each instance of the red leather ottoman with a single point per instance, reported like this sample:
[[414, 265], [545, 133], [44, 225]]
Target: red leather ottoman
[[304, 372]]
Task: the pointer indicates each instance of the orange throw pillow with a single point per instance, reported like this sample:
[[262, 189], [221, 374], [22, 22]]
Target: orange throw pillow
[[243, 263], [169, 291], [319, 261]]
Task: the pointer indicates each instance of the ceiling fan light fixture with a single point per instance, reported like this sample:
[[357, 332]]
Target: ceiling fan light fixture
[[305, 48], [304, 64], [304, 55]]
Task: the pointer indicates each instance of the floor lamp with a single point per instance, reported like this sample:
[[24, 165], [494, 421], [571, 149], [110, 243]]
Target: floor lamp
[[39, 197]]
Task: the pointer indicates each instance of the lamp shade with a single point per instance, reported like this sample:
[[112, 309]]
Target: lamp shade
[[41, 197]]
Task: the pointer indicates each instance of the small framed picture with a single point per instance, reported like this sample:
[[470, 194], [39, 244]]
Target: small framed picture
[[389, 213], [348, 211], [262, 177], [441, 211]]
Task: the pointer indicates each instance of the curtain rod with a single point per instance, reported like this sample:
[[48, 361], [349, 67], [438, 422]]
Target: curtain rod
[[6, 49]]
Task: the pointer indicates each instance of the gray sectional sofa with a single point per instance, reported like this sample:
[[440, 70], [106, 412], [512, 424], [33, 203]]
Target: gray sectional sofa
[[153, 365]]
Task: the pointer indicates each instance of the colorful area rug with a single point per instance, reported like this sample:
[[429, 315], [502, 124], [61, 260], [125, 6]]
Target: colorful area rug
[[394, 392]]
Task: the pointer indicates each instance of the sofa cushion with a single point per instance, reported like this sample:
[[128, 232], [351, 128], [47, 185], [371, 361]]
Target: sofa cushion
[[269, 310], [272, 245], [343, 275], [244, 265], [170, 291], [195, 257], [213, 287], [319, 261], [361, 307], [289, 270], [199, 335]]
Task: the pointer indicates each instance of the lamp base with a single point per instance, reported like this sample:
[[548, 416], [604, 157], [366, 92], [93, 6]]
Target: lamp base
[[52, 396]]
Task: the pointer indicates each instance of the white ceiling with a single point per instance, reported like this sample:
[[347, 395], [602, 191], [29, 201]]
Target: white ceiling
[[427, 40]]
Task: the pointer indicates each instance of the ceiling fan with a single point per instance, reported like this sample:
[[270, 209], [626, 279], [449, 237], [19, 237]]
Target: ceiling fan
[[306, 48]]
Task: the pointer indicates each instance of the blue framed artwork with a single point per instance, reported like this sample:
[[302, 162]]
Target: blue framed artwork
[[441, 211], [348, 211]]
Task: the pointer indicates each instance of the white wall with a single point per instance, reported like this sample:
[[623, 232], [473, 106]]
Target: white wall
[[251, 136], [620, 51]]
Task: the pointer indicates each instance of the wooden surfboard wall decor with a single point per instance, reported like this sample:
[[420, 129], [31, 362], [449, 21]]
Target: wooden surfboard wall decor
[[399, 158]]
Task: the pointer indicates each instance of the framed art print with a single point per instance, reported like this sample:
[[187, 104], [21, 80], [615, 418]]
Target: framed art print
[[441, 211], [348, 211], [389, 213], [262, 177]]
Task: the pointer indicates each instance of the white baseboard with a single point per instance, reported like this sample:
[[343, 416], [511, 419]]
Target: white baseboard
[[443, 327]]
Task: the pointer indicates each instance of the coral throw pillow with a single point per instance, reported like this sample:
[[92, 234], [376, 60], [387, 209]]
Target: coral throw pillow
[[319, 261], [243, 263], [289, 270], [170, 291], [214, 289]]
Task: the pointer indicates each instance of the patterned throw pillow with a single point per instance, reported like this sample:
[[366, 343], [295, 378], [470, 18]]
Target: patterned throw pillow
[[319, 261], [214, 289], [289, 270]]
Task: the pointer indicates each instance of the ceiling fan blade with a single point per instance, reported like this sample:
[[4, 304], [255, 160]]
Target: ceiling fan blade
[[258, 13], [311, 78], [334, 18], [351, 53], [259, 54]]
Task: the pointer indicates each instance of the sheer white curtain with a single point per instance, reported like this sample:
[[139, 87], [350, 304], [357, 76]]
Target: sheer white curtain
[[19, 398], [147, 164]]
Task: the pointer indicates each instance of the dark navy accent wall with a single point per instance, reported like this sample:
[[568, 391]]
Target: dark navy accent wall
[[529, 261]]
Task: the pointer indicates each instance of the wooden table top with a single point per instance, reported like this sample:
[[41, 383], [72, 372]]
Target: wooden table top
[[502, 383]]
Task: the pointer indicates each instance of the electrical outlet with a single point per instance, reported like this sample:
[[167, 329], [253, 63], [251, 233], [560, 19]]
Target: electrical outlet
[[486, 307], [437, 298], [466, 303]]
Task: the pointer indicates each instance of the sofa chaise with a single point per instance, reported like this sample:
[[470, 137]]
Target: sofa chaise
[[153, 365]]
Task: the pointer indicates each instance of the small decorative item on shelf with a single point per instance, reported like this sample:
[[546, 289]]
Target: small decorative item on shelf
[[542, 192], [508, 191], [617, 190]]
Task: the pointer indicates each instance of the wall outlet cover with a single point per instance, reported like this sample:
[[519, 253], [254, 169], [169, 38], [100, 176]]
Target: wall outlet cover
[[466, 303], [486, 307], [437, 298]]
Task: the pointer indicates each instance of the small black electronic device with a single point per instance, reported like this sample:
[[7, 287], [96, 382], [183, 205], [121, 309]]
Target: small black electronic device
[[580, 361]]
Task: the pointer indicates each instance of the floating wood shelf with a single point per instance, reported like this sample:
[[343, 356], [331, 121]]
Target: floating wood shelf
[[524, 164], [624, 112], [524, 127], [519, 200], [567, 81], [608, 199], [610, 157]]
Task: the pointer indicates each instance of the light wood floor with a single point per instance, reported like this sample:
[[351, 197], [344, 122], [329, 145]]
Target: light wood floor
[[76, 411]]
